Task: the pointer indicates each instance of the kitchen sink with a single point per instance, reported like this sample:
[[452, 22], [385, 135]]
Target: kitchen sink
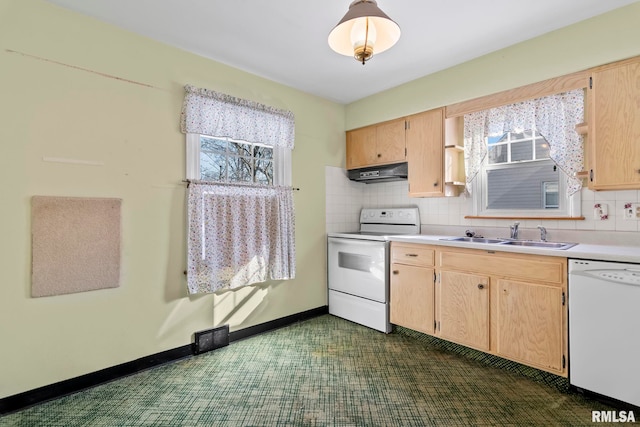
[[473, 240], [539, 244], [509, 242]]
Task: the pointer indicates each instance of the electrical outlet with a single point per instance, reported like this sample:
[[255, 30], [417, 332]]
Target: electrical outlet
[[632, 211], [600, 211]]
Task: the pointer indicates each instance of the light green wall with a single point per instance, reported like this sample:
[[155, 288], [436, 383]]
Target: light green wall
[[62, 95], [599, 40]]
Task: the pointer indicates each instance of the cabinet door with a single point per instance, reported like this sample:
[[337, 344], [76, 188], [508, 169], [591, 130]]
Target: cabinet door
[[530, 324], [390, 143], [463, 309], [614, 131], [411, 297], [425, 154], [361, 147]]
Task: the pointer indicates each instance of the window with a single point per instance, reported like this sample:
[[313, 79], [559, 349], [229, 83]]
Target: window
[[518, 178], [517, 166], [228, 160]]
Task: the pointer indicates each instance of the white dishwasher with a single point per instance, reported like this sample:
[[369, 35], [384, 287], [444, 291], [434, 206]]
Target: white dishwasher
[[604, 328]]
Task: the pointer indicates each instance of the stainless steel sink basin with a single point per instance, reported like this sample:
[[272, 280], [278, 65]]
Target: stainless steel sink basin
[[523, 243], [539, 244], [473, 239]]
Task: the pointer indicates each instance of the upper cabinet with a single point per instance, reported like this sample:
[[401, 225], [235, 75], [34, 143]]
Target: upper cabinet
[[429, 144], [425, 151], [378, 144], [614, 126]]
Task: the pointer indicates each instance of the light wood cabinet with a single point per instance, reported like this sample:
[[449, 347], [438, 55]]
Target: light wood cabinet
[[530, 324], [614, 126], [463, 309], [425, 153], [379, 144], [411, 299], [508, 304]]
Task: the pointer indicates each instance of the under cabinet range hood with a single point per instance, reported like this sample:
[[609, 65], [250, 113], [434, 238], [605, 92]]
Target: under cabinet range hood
[[383, 173]]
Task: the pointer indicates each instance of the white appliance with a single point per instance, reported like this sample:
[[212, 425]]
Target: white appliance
[[358, 266], [604, 323]]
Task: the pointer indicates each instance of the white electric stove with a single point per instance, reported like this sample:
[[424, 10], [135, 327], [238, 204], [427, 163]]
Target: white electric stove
[[358, 265]]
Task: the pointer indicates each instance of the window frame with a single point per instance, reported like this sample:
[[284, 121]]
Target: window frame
[[569, 206]]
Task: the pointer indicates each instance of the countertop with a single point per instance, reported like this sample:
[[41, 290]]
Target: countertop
[[629, 254]]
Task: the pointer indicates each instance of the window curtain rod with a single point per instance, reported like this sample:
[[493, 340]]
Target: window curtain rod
[[234, 184]]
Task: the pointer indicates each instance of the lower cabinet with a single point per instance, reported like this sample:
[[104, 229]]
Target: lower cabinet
[[508, 304], [411, 293], [463, 309], [530, 324], [411, 297]]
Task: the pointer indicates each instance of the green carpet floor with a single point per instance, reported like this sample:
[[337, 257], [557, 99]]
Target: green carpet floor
[[324, 372]]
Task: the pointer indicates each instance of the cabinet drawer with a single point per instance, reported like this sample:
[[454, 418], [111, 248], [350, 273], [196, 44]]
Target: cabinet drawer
[[527, 267], [409, 254]]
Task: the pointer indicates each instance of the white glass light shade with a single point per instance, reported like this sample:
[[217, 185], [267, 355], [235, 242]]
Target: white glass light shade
[[348, 35]]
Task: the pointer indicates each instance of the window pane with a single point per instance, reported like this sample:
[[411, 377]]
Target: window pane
[[264, 172], [263, 153], [521, 151], [240, 149], [212, 144], [498, 154], [213, 166], [542, 148], [521, 135], [503, 138], [240, 169], [519, 186]]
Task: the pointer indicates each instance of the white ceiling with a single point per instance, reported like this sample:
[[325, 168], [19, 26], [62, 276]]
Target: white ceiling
[[286, 40]]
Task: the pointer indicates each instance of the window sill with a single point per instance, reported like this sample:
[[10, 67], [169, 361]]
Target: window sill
[[552, 218]]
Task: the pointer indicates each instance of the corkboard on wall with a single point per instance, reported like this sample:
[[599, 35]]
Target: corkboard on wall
[[75, 244]]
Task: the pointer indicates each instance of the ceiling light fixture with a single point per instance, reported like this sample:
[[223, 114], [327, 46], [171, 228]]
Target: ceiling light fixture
[[363, 31]]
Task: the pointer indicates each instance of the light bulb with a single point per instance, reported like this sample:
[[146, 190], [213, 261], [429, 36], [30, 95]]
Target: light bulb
[[363, 38]]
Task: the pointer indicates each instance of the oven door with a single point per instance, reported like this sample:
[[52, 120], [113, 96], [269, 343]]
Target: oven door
[[358, 267]]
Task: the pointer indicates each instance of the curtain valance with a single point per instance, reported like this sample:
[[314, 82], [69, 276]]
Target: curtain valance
[[555, 117], [215, 114]]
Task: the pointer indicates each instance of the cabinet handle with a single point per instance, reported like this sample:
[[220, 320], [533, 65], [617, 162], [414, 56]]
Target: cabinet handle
[[379, 155], [396, 272], [480, 286], [435, 184], [411, 255]]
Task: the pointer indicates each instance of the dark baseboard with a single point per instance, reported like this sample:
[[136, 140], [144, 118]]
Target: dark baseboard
[[278, 323], [53, 391]]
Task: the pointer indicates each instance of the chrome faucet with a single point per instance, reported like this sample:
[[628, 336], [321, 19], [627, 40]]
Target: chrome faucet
[[514, 230], [543, 233]]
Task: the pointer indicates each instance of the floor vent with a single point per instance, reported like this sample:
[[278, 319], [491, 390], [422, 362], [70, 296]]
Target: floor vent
[[211, 339]]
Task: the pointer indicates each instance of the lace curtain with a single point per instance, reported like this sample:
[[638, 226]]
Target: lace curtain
[[239, 235], [555, 117], [207, 112]]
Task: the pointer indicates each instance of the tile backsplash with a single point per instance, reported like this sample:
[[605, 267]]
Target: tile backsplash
[[604, 212]]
